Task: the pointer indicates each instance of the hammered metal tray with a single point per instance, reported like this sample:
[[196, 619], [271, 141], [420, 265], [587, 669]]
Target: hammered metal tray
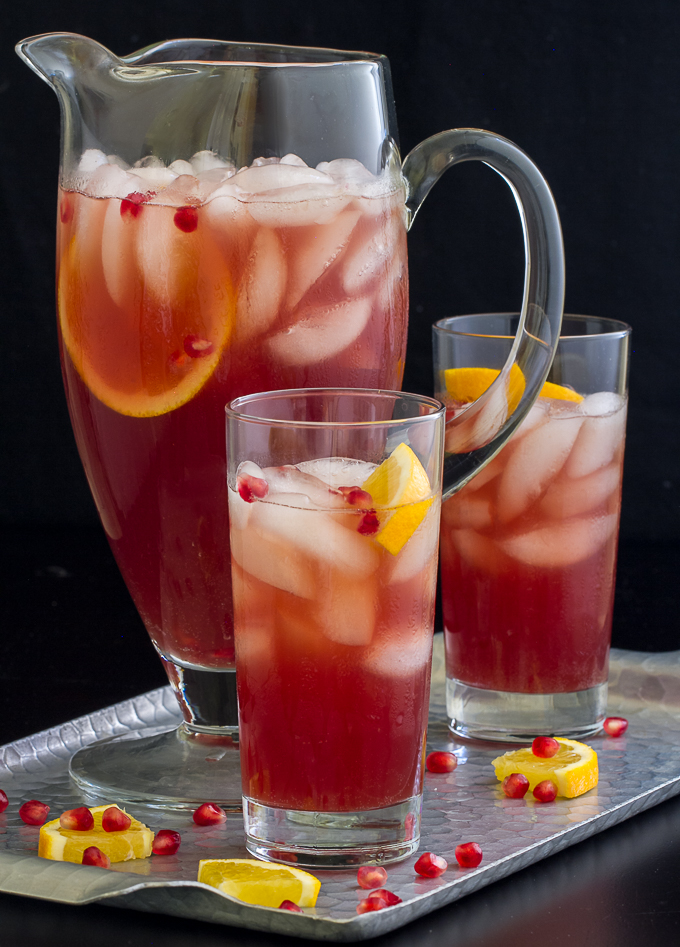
[[637, 771]]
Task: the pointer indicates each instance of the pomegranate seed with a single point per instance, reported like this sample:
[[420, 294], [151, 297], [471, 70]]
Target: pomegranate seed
[[4, 801], [34, 812], [166, 842], [95, 856], [195, 347], [290, 906], [441, 762], [468, 855], [355, 496], [545, 791], [545, 747], [369, 523], [66, 208], [251, 488], [409, 827], [614, 726], [132, 204], [114, 820], [371, 904], [80, 819], [371, 876], [515, 786], [186, 218], [387, 896], [178, 359], [209, 814], [430, 865]]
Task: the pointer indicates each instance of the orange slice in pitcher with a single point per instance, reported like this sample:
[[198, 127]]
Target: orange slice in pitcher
[[147, 336]]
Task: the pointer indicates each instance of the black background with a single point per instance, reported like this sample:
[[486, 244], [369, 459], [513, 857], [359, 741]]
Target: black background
[[589, 89]]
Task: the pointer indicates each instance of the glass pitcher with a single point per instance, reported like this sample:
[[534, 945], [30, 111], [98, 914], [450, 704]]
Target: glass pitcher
[[232, 218]]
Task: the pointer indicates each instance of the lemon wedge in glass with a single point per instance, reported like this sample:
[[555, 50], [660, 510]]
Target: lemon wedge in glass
[[401, 482]]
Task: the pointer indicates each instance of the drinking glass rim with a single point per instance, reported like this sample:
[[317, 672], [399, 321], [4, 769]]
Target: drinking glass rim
[[618, 327], [232, 409]]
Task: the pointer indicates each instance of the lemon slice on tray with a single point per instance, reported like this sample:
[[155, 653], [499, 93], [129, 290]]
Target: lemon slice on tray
[[68, 845], [264, 883], [573, 768], [401, 482]]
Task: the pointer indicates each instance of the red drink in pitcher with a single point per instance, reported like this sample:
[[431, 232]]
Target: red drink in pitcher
[[528, 552], [182, 287]]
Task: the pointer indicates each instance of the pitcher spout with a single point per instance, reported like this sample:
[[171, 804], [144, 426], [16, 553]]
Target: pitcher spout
[[61, 58]]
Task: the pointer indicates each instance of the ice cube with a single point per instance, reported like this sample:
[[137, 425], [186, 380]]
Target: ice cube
[[367, 259], [268, 558], [321, 333], [318, 535], [289, 479], [467, 512], [206, 161], [260, 292], [479, 552], [108, 180], [152, 177], [180, 166], [536, 460], [400, 654], [600, 437], [347, 171], [118, 254], [90, 160], [486, 475], [315, 252], [338, 471], [346, 610], [574, 497], [601, 403], [536, 416], [294, 159], [183, 189], [420, 550], [228, 217], [561, 544], [278, 177]]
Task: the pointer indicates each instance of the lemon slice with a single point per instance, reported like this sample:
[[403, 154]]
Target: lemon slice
[[256, 882], [400, 481], [573, 769], [465, 385], [68, 845]]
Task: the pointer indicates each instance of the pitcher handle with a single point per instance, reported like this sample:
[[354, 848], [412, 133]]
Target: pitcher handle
[[538, 330]]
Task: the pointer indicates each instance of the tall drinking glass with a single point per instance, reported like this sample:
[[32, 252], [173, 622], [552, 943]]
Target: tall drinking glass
[[528, 548], [233, 218], [334, 501]]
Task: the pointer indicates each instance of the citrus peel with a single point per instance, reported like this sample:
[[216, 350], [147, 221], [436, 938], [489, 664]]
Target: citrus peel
[[573, 769], [465, 385], [267, 884], [401, 492], [68, 845]]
